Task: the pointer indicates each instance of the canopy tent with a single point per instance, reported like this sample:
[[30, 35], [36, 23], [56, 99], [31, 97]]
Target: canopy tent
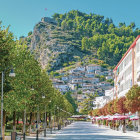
[[115, 117], [106, 117], [134, 117]]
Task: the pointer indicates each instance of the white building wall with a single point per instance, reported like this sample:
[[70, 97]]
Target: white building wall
[[137, 80], [124, 77]]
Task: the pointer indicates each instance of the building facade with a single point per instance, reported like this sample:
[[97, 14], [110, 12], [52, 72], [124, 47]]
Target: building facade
[[127, 72]]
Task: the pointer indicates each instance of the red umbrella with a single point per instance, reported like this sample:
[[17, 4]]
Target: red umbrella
[[115, 117], [99, 118], [93, 118], [123, 117], [106, 117], [20, 122], [134, 118], [118, 117]]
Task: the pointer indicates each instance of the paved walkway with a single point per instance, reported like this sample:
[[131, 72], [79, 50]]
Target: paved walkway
[[86, 130]]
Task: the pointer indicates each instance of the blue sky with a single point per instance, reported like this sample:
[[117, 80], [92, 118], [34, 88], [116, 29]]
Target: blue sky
[[22, 15]]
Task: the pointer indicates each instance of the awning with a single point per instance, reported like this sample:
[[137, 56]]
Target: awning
[[134, 117]]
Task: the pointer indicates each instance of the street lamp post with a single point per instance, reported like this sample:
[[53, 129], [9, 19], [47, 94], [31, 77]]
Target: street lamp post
[[59, 125], [54, 117], [24, 125], [43, 97], [50, 121], [37, 122], [37, 132], [45, 123], [24, 119], [12, 74]]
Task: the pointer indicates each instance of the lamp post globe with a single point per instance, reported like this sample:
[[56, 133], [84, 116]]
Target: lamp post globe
[[12, 73]]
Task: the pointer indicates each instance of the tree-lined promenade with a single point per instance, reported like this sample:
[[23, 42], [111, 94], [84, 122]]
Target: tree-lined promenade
[[122, 106], [30, 94], [87, 131]]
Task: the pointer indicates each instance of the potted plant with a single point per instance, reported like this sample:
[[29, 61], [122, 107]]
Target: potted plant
[[110, 124], [130, 127], [117, 126]]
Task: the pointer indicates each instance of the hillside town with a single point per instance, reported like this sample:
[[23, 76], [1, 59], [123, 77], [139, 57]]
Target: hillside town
[[83, 80]]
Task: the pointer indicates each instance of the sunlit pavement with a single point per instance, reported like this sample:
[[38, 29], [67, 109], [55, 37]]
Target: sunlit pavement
[[86, 130]]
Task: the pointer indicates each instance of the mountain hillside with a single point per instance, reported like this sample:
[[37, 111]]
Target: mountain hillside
[[75, 37], [53, 46]]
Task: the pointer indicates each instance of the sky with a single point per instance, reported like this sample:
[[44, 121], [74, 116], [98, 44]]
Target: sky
[[22, 15]]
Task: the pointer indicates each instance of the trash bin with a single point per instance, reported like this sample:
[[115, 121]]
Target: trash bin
[[13, 135]]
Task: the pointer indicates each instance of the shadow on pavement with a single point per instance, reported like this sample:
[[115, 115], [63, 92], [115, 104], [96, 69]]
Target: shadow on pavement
[[85, 131], [86, 137]]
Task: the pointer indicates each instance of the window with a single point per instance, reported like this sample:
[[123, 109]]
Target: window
[[121, 67], [138, 61], [128, 59], [121, 88], [128, 84], [138, 47], [128, 71]]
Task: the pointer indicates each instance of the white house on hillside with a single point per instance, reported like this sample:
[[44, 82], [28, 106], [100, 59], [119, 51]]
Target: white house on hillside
[[62, 87], [89, 75], [77, 80], [92, 68], [65, 78], [80, 68], [109, 77], [72, 86]]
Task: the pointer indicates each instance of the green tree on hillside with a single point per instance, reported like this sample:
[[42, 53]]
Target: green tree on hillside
[[87, 103], [71, 100], [97, 32]]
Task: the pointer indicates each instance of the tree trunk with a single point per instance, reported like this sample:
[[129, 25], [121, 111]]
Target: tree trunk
[[139, 121], [123, 126], [17, 120], [4, 120], [30, 122], [34, 120], [38, 119], [47, 119], [14, 121], [26, 118], [24, 121]]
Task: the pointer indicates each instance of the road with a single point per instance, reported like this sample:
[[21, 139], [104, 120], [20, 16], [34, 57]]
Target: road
[[86, 130]]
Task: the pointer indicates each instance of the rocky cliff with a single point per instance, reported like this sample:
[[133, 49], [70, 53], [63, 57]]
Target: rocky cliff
[[53, 46]]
